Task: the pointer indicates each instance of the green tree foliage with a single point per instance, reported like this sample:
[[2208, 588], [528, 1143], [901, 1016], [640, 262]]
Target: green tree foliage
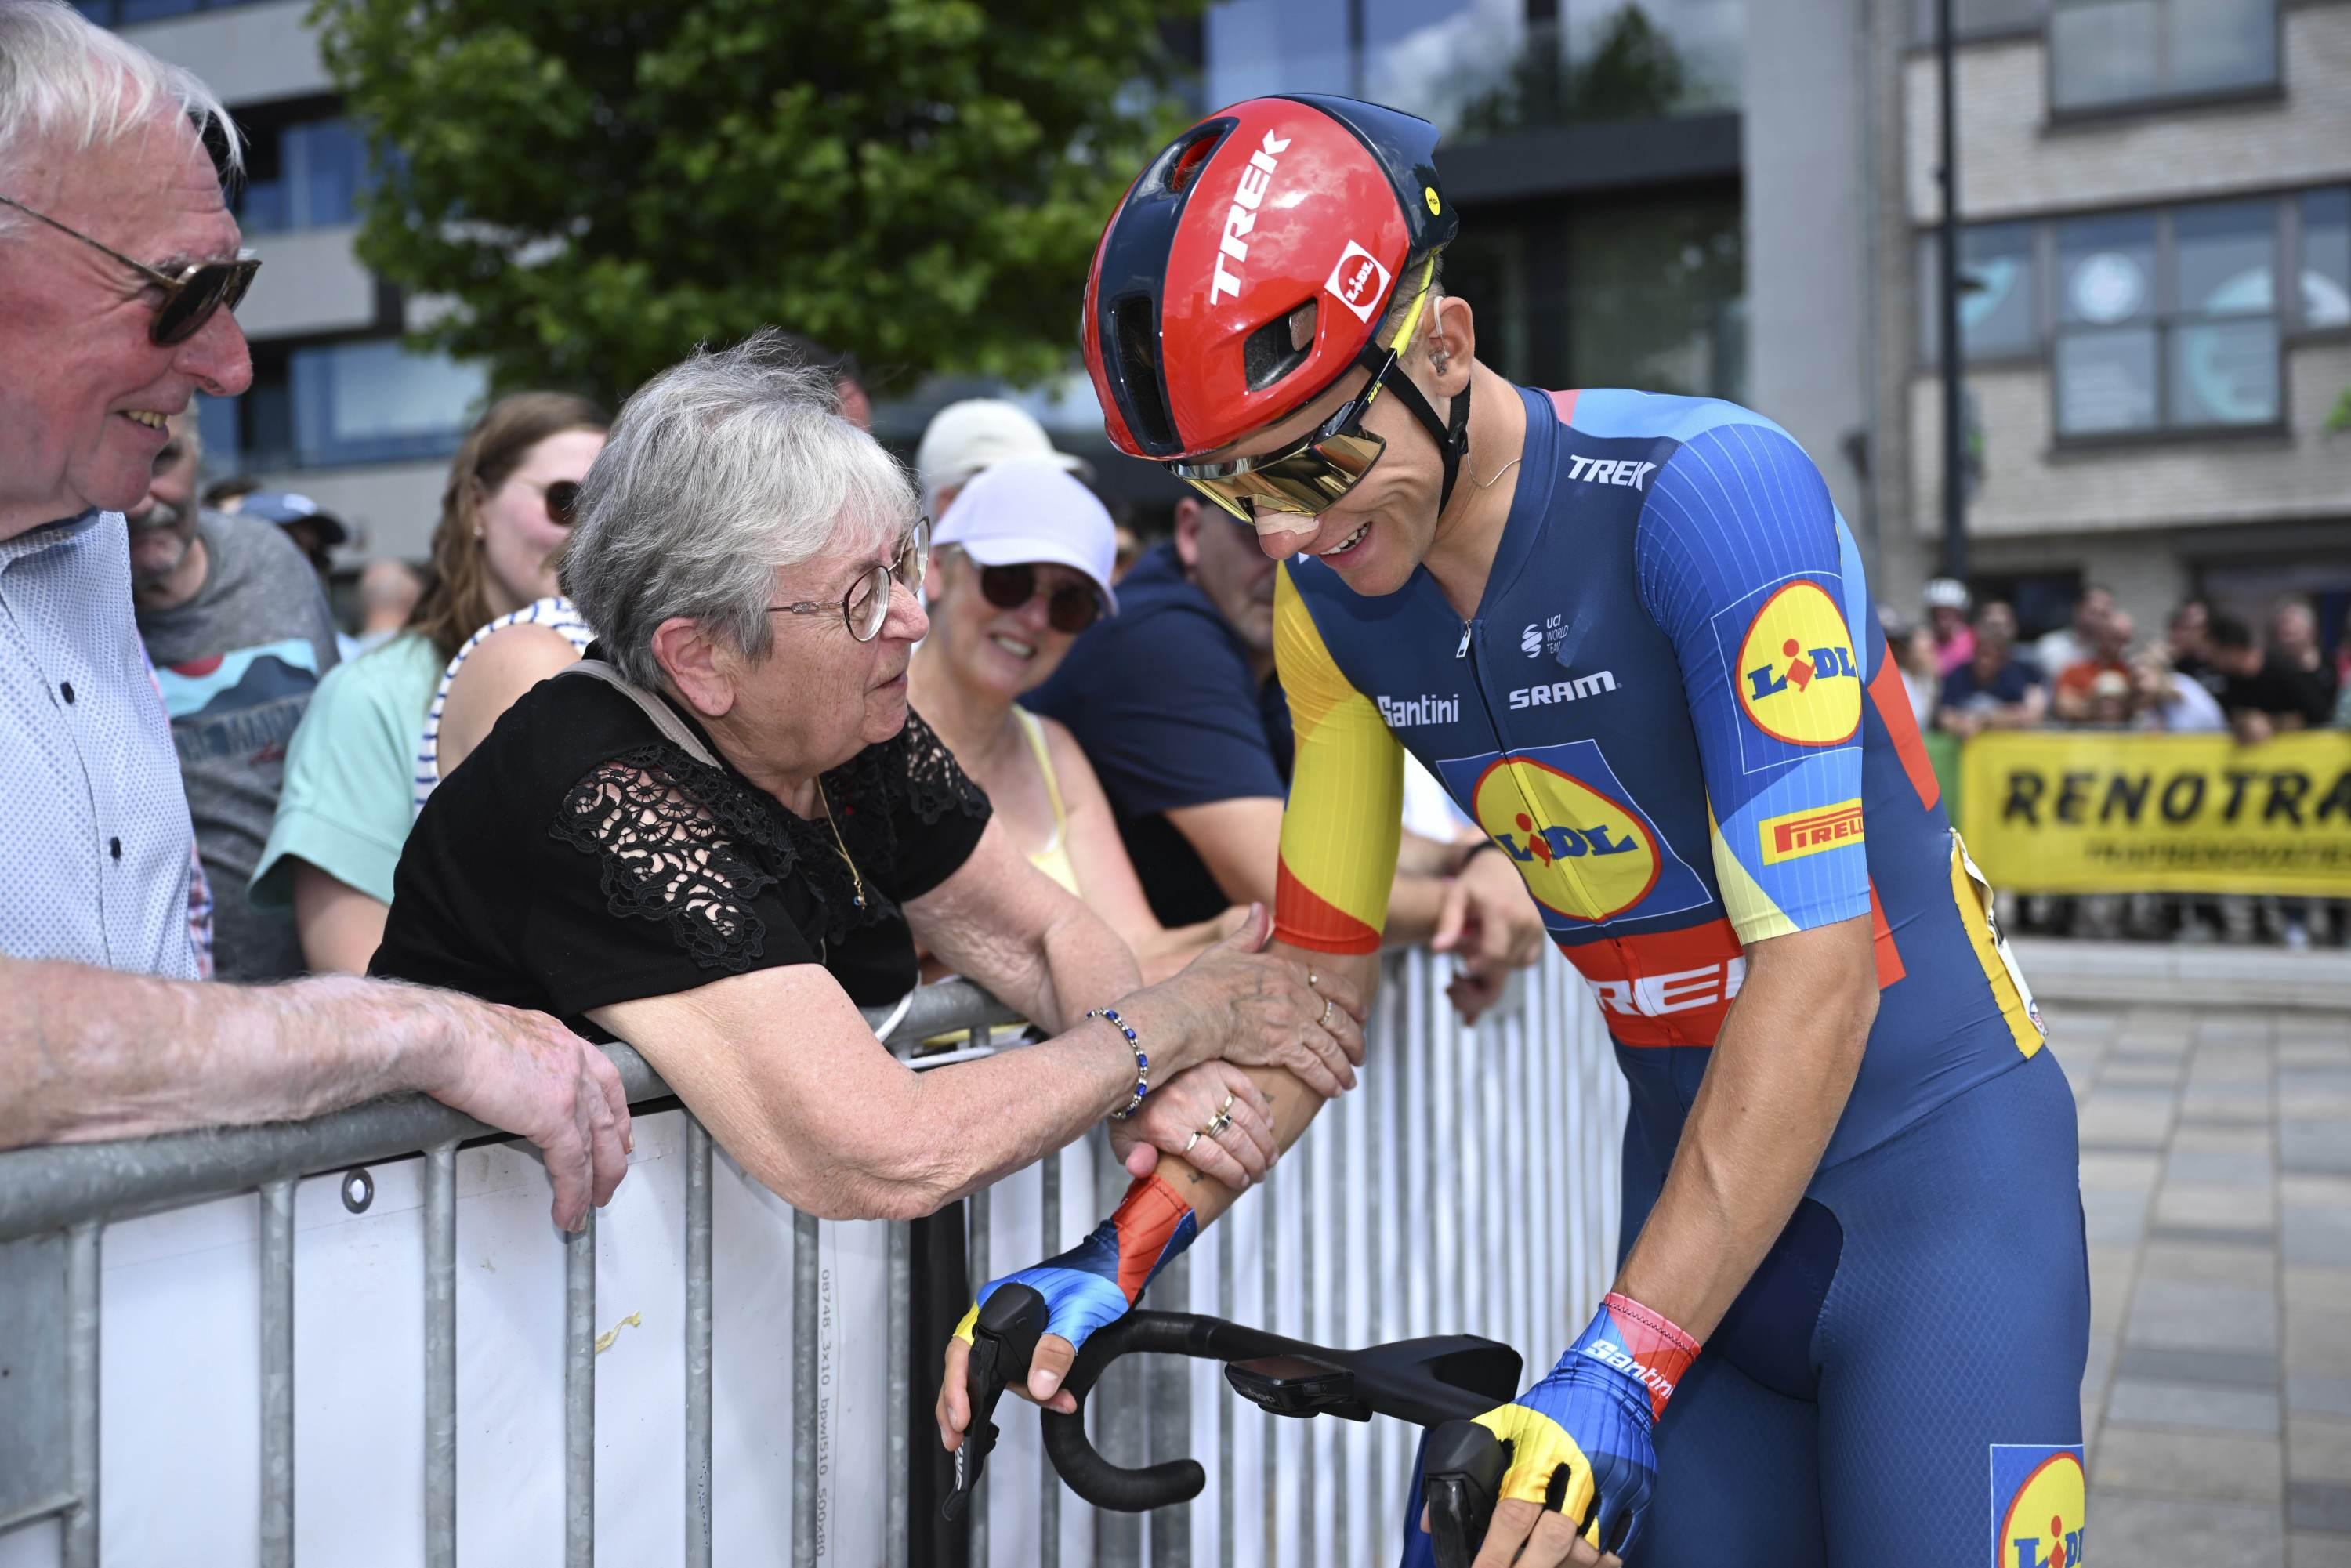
[[600, 184], [2340, 420]]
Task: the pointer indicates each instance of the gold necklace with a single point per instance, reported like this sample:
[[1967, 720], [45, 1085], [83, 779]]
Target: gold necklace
[[857, 881]]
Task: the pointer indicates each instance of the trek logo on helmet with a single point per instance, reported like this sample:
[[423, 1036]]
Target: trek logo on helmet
[[1241, 217], [1359, 281]]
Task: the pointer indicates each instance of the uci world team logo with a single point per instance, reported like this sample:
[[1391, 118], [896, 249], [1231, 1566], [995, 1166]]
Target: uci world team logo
[[2038, 1501], [1797, 676], [1587, 853]]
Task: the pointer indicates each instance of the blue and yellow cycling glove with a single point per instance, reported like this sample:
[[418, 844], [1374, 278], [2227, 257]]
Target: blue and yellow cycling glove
[[1580, 1440], [1098, 1279]]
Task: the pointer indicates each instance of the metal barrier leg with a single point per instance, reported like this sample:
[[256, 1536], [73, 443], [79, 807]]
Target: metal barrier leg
[[697, 1345], [977, 1209], [441, 1356], [81, 1395], [806, 1328], [1048, 1494], [1224, 1538], [277, 1375], [901, 1419], [579, 1395]]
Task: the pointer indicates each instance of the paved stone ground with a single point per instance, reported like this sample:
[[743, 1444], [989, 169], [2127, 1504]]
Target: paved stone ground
[[2216, 1178]]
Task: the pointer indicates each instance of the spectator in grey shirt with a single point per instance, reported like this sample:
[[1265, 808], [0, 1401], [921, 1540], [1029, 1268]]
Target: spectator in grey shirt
[[113, 241], [239, 633]]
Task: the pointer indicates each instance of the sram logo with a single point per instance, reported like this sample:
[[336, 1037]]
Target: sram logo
[[1241, 216], [1566, 691]]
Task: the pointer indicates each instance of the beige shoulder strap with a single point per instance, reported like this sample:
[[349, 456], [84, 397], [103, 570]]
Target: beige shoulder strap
[[664, 720]]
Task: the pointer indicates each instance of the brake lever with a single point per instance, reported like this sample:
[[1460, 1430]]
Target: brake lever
[[1003, 1341], [1461, 1483]]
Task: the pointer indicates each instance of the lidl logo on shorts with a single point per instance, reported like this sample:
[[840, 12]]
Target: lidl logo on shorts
[[1797, 677], [1587, 853], [2037, 1506]]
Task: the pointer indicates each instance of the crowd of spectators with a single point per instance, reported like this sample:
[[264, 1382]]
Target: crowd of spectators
[[1965, 672]]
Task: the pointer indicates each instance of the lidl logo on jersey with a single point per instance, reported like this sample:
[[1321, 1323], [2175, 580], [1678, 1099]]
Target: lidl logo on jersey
[[1796, 673], [1587, 853], [1794, 835], [2037, 1506]]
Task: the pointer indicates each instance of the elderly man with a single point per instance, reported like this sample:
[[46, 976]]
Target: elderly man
[[118, 266]]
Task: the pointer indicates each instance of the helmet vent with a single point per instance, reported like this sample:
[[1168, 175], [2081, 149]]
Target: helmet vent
[[1278, 347], [1188, 163], [1138, 361]]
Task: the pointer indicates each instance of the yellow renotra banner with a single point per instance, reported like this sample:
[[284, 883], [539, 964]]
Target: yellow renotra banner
[[2084, 811]]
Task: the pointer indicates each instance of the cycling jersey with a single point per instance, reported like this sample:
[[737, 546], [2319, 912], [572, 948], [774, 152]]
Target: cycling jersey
[[1673, 711]]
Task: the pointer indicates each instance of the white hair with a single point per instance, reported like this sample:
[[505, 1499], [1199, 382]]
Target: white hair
[[67, 83], [720, 471]]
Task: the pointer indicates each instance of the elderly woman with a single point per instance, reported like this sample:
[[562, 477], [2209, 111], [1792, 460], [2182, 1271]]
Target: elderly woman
[[1023, 559], [728, 839]]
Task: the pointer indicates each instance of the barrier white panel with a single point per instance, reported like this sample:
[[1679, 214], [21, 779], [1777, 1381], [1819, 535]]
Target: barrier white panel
[[1464, 1148]]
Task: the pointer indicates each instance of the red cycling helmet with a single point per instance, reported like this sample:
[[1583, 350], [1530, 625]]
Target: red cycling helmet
[[1194, 309]]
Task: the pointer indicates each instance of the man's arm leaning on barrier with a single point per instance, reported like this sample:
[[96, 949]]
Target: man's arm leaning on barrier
[[91, 1054]]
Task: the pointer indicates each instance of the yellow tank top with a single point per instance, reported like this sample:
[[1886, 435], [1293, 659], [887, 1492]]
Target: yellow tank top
[[1053, 860]]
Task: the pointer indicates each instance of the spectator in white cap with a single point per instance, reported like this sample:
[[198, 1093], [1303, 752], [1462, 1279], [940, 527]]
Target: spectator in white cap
[[965, 438], [1022, 564], [1947, 617]]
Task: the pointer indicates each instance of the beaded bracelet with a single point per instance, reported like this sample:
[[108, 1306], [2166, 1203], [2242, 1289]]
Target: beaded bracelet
[[1142, 1062]]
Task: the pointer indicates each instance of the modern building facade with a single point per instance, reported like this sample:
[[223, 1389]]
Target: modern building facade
[[2156, 316], [339, 409]]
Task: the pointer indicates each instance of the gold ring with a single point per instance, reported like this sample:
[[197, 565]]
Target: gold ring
[[1325, 1020], [1309, 980], [1190, 1141], [1218, 1125], [1227, 1108]]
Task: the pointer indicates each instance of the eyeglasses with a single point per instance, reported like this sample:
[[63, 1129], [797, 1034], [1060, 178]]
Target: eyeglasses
[[189, 300], [562, 499], [1070, 608], [866, 605], [1310, 476]]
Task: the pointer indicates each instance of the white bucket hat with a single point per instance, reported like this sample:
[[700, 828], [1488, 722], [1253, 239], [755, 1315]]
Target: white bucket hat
[[963, 438]]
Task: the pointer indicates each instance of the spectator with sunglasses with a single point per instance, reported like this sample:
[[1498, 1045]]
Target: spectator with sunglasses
[[1023, 561], [351, 775], [722, 835], [118, 266]]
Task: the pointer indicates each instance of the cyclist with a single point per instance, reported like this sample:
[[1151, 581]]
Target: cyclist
[[1633, 637]]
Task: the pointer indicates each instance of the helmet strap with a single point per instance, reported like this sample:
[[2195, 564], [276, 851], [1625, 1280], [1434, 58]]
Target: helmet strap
[[1451, 434]]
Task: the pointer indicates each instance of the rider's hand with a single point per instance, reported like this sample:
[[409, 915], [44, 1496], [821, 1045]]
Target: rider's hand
[[1259, 1010], [1091, 1284], [1489, 918], [525, 1074], [1177, 1115], [1581, 1462], [1471, 994]]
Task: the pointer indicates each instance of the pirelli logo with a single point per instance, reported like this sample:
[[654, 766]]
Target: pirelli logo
[[1809, 833]]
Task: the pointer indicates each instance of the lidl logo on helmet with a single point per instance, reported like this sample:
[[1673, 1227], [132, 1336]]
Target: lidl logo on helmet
[[1359, 281], [1241, 216], [2038, 1501], [1798, 678]]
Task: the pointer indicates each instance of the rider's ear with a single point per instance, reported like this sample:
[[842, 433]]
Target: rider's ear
[[1452, 344]]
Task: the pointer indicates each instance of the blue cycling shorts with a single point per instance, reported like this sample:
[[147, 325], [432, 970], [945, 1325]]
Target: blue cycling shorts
[[1900, 1381]]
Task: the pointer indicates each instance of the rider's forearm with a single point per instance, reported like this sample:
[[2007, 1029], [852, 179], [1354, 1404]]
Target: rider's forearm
[[1774, 1088], [89, 1053]]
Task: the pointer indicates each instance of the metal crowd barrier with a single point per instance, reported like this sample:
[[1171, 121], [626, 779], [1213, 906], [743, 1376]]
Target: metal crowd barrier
[[758, 1434]]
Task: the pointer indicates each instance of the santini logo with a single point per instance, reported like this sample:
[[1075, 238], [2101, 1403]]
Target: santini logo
[[1241, 216], [1566, 691], [1402, 713], [1600, 471]]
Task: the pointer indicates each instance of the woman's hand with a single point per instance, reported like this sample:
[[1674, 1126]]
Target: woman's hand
[[1257, 1009], [1177, 1118]]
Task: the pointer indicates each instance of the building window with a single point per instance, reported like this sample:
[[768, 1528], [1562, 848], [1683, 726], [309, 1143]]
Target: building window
[[338, 404], [1999, 298], [307, 176], [2326, 260], [2105, 52], [1978, 19]]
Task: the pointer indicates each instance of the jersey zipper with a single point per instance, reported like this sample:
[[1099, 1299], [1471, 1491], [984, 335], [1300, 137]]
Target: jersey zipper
[[1467, 628]]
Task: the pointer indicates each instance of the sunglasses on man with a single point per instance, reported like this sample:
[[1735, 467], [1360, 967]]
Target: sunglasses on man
[[188, 299], [1311, 475], [1070, 608]]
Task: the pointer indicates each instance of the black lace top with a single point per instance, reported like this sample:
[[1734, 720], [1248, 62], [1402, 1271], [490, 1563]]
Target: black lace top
[[578, 858]]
